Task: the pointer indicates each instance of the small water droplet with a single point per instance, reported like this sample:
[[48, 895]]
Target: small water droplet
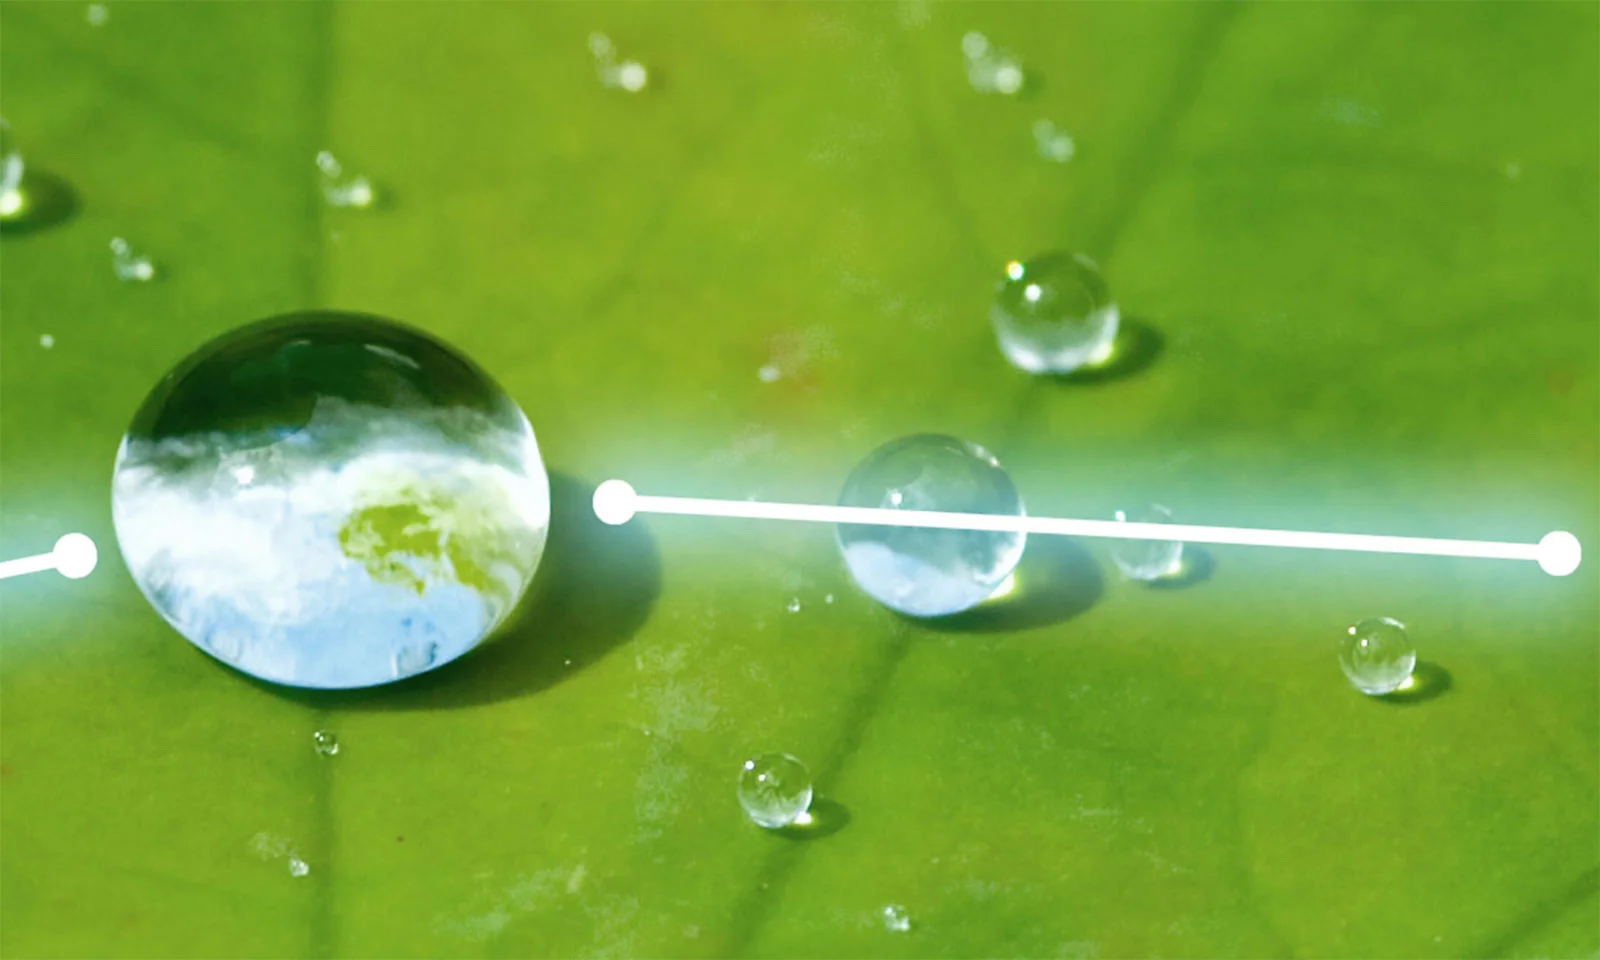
[[298, 867], [96, 14], [1052, 143], [793, 605], [989, 68], [896, 919], [627, 75], [325, 743], [47, 341], [342, 191], [774, 789], [1513, 171], [128, 265], [768, 373], [827, 598]]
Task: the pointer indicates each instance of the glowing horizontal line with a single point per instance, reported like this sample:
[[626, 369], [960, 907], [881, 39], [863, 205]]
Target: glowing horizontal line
[[1111, 529], [22, 565], [74, 557]]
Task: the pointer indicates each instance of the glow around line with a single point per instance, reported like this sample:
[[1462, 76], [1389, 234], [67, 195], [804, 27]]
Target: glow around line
[[1558, 553], [74, 557]]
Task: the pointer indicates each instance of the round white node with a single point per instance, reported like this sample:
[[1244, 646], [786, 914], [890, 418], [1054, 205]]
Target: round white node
[[614, 502], [1559, 553], [75, 556]]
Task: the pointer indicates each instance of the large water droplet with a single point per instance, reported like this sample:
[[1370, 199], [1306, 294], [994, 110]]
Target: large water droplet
[[921, 571]]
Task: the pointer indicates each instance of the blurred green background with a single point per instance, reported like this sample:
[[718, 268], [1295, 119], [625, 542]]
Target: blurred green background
[[1360, 246]]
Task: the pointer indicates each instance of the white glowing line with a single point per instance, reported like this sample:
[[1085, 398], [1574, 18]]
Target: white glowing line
[[74, 557], [1557, 553]]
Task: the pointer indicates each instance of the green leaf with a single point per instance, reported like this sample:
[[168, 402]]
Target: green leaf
[[1357, 247]]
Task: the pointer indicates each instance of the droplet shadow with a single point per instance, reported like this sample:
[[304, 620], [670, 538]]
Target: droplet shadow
[[1056, 581], [1196, 566], [595, 587], [46, 201], [827, 817], [1428, 681], [1136, 349]]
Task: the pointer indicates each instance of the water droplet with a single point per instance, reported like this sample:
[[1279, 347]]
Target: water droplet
[[1051, 143], [129, 266], [1147, 560], [268, 846], [1054, 314], [774, 789], [920, 571], [298, 867], [895, 918], [96, 14], [827, 598], [768, 373], [340, 190], [1377, 655], [11, 167], [793, 606], [47, 341], [1513, 171], [325, 743], [428, 502], [989, 68], [627, 75]]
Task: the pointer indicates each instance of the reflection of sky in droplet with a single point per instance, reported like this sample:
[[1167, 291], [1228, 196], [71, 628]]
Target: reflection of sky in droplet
[[253, 568]]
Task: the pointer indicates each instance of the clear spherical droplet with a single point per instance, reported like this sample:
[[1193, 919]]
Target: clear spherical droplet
[[396, 510], [920, 571], [1377, 655], [1054, 314], [325, 743], [896, 918], [774, 789], [298, 867], [1147, 560]]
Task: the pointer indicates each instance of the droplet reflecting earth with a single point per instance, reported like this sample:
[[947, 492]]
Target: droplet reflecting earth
[[330, 500]]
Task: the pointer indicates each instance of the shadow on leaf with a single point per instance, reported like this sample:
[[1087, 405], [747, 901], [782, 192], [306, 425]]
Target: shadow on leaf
[[1056, 580]]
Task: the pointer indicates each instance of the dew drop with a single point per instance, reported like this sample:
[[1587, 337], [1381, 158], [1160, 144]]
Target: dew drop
[[96, 14], [895, 918], [325, 743], [1052, 143], [774, 789], [298, 867], [629, 76], [128, 265], [47, 341], [340, 190], [793, 605]]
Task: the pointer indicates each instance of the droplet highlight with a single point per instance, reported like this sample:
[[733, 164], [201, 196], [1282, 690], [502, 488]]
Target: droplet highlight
[[341, 190], [325, 743], [128, 265]]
